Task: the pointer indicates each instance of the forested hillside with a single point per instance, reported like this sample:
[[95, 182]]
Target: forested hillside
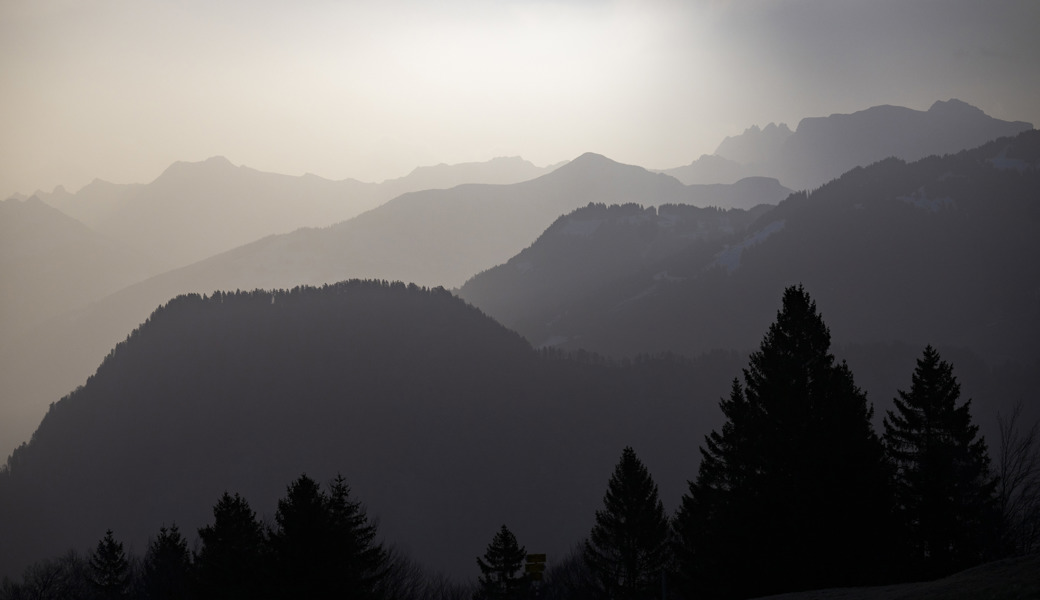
[[446, 424], [442, 420], [592, 247]]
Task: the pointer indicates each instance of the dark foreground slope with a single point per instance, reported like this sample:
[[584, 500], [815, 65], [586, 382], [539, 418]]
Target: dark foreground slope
[[445, 423], [1009, 579]]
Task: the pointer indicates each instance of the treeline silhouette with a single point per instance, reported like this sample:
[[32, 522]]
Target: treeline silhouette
[[322, 545], [795, 491]]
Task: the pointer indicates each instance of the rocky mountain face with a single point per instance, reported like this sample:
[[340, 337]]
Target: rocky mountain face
[[822, 148]]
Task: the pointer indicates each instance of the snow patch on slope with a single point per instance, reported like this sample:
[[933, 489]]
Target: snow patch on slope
[[729, 258], [523, 265], [1003, 163], [582, 228], [920, 199]]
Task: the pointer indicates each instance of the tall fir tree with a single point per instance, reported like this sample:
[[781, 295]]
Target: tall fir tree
[[791, 492], [501, 569], [110, 568], [945, 490], [230, 563], [324, 545], [167, 570], [362, 563], [627, 552]]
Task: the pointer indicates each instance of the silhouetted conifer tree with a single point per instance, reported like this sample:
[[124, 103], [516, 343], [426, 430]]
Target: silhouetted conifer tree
[[627, 551], [791, 493], [110, 569], [167, 569], [230, 562], [945, 490], [324, 545], [501, 569], [302, 542], [361, 562]]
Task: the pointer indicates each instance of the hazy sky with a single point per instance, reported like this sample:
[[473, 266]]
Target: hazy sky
[[119, 89]]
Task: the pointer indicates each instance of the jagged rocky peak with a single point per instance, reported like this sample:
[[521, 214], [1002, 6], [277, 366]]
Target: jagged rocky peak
[[756, 144]]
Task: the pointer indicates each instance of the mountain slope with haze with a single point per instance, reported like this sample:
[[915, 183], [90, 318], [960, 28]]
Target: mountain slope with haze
[[194, 210], [922, 252], [434, 237]]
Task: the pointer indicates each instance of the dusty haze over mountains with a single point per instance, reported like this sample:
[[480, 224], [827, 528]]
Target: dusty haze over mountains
[[463, 252], [120, 89]]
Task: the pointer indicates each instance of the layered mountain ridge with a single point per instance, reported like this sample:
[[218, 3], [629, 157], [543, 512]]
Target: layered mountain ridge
[[917, 252], [822, 148]]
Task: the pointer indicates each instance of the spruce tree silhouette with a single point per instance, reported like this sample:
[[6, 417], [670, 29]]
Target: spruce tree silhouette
[[302, 541], [361, 564], [230, 562], [324, 545], [167, 569], [110, 569], [945, 490], [627, 551], [501, 576], [791, 493]]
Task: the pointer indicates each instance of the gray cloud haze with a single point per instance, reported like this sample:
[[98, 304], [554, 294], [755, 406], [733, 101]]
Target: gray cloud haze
[[119, 89]]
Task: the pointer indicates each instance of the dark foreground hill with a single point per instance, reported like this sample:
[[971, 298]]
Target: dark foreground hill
[[445, 423], [1010, 579]]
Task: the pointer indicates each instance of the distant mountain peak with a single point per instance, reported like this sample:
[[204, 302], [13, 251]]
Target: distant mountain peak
[[591, 156], [213, 164], [508, 159], [770, 128], [755, 145], [954, 106], [592, 164], [589, 159]]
